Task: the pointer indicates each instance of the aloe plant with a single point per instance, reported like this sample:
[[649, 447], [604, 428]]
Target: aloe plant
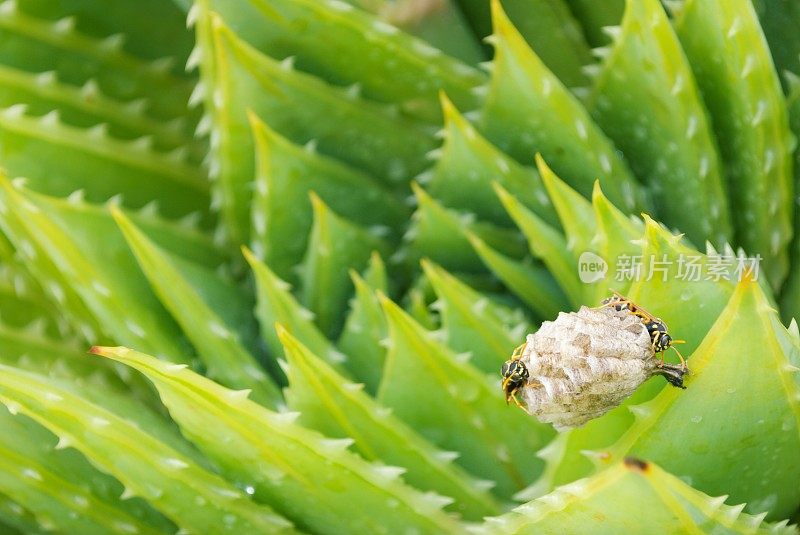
[[300, 261]]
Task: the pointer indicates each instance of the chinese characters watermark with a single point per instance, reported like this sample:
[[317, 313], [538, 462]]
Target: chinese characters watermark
[[693, 268]]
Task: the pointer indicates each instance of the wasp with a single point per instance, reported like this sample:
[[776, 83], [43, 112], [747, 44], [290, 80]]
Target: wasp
[[660, 338], [515, 375]]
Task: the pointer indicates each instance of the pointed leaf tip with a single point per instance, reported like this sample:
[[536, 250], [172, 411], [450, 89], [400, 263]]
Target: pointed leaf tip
[[597, 191]]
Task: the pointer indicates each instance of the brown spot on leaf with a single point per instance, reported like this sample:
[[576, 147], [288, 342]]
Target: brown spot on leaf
[[636, 464]]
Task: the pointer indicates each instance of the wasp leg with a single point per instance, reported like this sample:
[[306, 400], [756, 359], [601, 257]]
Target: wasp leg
[[683, 360], [661, 360], [504, 384], [673, 375], [517, 402], [616, 303], [517, 354]]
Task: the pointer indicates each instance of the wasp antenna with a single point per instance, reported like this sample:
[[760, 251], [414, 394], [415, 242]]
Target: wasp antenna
[[519, 351], [678, 342]]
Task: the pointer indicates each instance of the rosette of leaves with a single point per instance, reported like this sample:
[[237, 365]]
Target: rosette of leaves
[[302, 258]]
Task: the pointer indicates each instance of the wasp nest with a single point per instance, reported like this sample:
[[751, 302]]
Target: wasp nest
[[585, 363]]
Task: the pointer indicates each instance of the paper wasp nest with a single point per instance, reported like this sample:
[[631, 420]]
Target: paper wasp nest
[[584, 364]]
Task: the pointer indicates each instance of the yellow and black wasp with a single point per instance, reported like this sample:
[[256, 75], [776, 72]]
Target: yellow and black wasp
[[659, 335], [515, 375]]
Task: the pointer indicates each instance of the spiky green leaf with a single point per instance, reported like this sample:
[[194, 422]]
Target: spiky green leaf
[[741, 411], [531, 282], [276, 304], [286, 173], [217, 342], [236, 77], [335, 246], [730, 59], [310, 479], [456, 407], [463, 174], [545, 243], [332, 405], [656, 117], [59, 159], [605, 504], [528, 110], [79, 255], [472, 324], [399, 68], [170, 481], [35, 44], [365, 327], [440, 234]]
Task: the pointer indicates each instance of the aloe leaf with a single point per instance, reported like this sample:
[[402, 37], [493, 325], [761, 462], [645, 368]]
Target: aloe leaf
[[547, 26], [417, 304], [674, 286], [603, 504], [441, 24], [63, 359], [68, 246], [681, 286], [20, 293], [216, 341], [456, 407], [598, 235], [335, 246], [731, 62], [471, 323], [468, 164], [616, 232], [292, 460], [365, 328], [330, 404], [596, 232], [750, 402], [574, 211], [400, 68], [87, 106], [16, 520], [146, 466], [440, 234], [531, 283], [528, 110], [545, 243], [551, 30], [276, 304], [153, 29], [31, 348], [375, 274], [669, 145], [594, 16], [286, 173], [106, 386], [44, 481], [236, 77], [790, 293], [59, 159], [38, 45], [779, 21]]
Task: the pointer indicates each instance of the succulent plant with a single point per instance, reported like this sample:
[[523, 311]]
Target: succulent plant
[[301, 261]]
